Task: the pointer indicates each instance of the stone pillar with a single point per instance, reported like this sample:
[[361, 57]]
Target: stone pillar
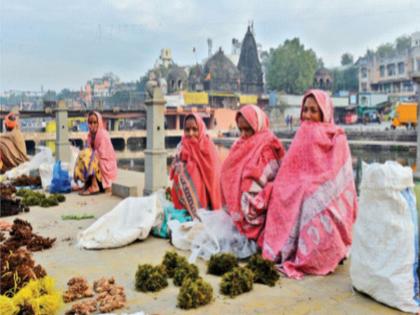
[[177, 121], [156, 176], [416, 79], [62, 144]]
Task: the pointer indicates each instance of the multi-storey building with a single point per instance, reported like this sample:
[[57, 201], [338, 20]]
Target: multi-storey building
[[391, 74]]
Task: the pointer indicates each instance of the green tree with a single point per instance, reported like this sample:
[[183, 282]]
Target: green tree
[[50, 95], [291, 67], [141, 84], [403, 43], [385, 50], [65, 94], [345, 79], [346, 59], [120, 98]]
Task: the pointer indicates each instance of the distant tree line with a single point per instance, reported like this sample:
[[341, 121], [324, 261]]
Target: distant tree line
[[291, 68]]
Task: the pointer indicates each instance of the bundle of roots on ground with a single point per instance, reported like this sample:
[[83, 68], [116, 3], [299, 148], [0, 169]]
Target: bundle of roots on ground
[[194, 293], [21, 235], [237, 281], [7, 190], [110, 296], [17, 268], [78, 288], [9, 205], [34, 198], [264, 270], [38, 297], [185, 271], [86, 307], [171, 261], [219, 264], [151, 278], [25, 180]]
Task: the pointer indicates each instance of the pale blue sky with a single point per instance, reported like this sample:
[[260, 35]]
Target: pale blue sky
[[61, 44]]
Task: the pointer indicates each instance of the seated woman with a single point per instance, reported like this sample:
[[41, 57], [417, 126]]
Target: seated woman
[[249, 170], [314, 203], [196, 184], [12, 145], [195, 170], [96, 166]]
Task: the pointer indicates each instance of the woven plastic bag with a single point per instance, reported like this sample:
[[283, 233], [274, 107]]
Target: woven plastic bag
[[385, 250]]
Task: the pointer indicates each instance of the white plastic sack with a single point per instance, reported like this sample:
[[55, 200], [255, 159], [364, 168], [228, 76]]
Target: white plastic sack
[[130, 220], [46, 173], [183, 234], [74, 153], [384, 254], [214, 233], [43, 156]]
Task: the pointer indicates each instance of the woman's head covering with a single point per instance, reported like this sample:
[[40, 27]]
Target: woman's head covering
[[324, 102], [255, 117], [99, 117], [10, 121], [200, 123]]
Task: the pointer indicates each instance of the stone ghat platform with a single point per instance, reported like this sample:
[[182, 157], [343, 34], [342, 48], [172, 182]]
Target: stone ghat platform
[[332, 294]]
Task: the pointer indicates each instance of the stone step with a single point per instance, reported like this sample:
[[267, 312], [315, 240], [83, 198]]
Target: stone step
[[128, 184]]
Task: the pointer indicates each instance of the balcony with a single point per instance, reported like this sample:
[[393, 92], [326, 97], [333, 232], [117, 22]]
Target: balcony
[[415, 75]]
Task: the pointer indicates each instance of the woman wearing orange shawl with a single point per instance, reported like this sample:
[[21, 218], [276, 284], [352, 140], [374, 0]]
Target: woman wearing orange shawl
[[249, 170], [195, 170], [12, 145], [96, 165], [314, 202]]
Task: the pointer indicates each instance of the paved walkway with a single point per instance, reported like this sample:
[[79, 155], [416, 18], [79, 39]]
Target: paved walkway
[[332, 294]]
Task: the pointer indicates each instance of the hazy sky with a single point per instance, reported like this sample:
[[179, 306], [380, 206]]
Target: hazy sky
[[61, 44]]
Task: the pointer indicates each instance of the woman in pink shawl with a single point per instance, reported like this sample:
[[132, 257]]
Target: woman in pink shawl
[[314, 201], [96, 165], [249, 170], [195, 170]]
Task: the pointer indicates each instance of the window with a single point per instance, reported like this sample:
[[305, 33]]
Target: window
[[390, 69], [364, 87], [408, 86], [364, 73], [396, 87], [401, 67], [382, 70], [418, 64]]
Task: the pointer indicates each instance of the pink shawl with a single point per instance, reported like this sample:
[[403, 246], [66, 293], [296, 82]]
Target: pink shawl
[[314, 201], [248, 173], [196, 172], [104, 150]]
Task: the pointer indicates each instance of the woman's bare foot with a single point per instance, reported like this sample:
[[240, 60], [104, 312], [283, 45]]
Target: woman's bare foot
[[75, 188], [84, 193]]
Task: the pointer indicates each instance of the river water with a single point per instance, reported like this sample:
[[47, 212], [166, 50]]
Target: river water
[[368, 156]]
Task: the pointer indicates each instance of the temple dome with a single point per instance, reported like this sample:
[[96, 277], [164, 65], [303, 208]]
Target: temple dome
[[220, 74]]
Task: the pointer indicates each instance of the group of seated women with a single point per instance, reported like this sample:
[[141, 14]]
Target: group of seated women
[[298, 206]]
